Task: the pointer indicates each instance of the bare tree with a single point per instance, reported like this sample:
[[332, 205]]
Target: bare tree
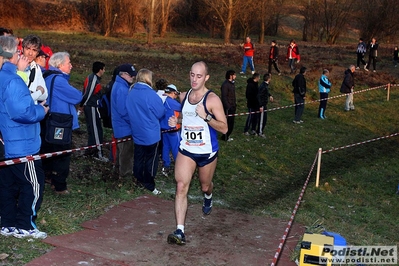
[[107, 11], [378, 18], [326, 17], [226, 11]]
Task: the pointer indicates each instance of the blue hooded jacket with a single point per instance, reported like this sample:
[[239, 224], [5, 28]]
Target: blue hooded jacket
[[324, 84], [63, 97], [19, 115], [145, 109], [119, 116]]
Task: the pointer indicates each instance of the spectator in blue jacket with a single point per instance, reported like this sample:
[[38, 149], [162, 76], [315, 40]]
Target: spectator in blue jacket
[[22, 184], [120, 119], [324, 89], [145, 110], [170, 135], [63, 98]]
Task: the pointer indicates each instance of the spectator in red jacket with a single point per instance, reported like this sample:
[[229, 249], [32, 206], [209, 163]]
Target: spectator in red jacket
[[292, 54], [249, 49]]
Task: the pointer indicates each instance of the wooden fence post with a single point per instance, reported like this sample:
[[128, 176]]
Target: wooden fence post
[[318, 168]]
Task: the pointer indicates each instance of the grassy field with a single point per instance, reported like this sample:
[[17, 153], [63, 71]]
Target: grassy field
[[258, 176]]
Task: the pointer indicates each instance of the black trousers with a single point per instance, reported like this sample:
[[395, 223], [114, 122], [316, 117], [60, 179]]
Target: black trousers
[[275, 64], [146, 164], [21, 194], [360, 58], [252, 119], [230, 123], [323, 105]]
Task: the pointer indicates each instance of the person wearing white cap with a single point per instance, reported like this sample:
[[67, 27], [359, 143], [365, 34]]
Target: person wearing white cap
[[170, 135]]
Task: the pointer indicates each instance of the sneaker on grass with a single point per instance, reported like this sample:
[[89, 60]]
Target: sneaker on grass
[[7, 231], [33, 233], [207, 206], [177, 237]]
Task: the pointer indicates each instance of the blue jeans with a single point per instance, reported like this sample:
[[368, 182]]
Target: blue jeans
[[146, 164], [248, 60]]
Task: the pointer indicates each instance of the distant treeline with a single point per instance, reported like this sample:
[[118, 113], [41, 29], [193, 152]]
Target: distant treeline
[[321, 20]]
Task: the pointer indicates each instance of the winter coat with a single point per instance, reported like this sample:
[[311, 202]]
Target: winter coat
[[348, 82], [19, 115], [228, 95], [299, 84], [251, 94], [63, 97], [324, 84], [264, 94], [145, 110], [119, 117]]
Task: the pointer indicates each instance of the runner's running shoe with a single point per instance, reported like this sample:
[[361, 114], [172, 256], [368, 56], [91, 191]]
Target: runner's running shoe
[[177, 237]]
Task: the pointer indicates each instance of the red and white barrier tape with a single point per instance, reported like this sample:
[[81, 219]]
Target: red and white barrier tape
[[53, 154], [287, 229], [360, 143], [297, 104]]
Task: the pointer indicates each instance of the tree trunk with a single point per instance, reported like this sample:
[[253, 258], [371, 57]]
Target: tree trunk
[[165, 17], [150, 35], [229, 22]]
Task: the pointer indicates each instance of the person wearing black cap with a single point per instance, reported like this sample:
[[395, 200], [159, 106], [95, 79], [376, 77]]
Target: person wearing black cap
[[170, 135], [273, 58], [299, 84], [120, 119], [41, 59]]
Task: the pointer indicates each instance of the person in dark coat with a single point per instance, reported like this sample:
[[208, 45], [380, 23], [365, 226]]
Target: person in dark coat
[[228, 91], [299, 84], [373, 49], [263, 98], [273, 58], [251, 94], [347, 87]]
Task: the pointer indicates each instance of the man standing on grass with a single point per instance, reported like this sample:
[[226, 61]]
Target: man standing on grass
[[299, 84], [263, 97], [251, 94], [324, 88], [249, 49], [21, 185], [120, 120], [202, 117], [229, 101], [91, 95], [347, 87]]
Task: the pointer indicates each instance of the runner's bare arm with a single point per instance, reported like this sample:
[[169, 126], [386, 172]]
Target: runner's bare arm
[[215, 107]]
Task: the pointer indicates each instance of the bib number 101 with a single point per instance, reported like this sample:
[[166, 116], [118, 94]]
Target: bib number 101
[[193, 135]]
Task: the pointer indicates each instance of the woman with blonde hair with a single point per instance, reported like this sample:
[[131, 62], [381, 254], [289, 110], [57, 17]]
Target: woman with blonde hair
[[145, 110]]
